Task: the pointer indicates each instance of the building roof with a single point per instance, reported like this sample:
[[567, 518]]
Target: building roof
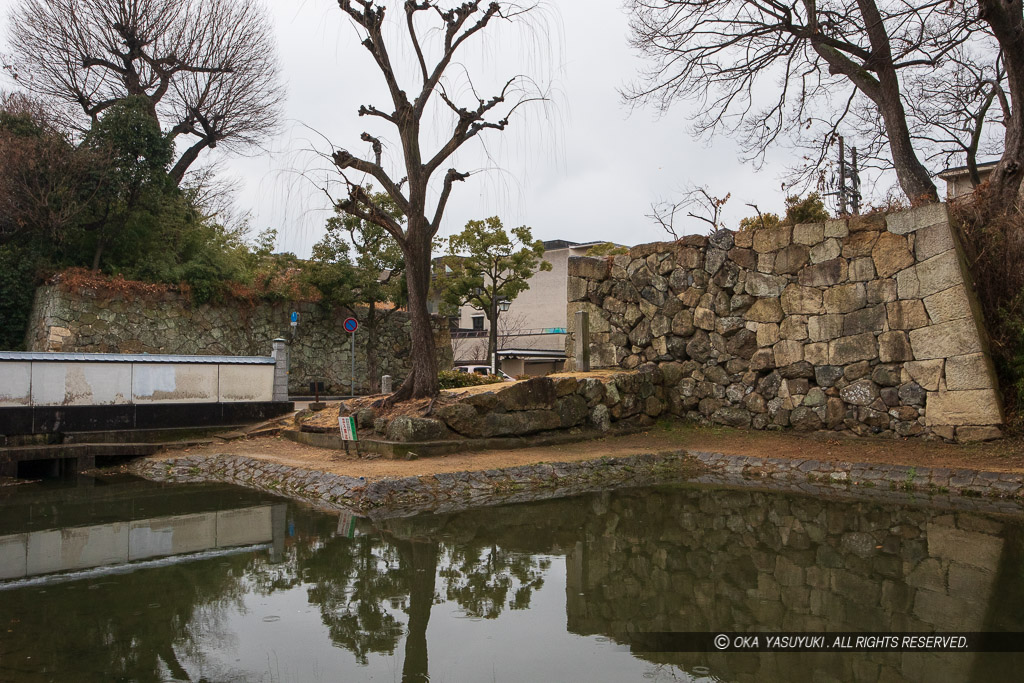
[[551, 245], [43, 356], [958, 171]]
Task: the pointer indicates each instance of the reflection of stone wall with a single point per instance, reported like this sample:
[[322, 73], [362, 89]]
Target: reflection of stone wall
[[746, 561], [85, 321], [863, 324]]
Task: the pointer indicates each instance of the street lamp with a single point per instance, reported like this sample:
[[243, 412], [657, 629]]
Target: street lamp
[[502, 306]]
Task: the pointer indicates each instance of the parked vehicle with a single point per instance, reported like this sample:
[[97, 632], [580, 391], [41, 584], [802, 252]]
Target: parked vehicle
[[483, 370]]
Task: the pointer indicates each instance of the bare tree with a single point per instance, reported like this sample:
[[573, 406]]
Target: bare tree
[[696, 198], [1005, 20], [952, 109], [409, 186], [826, 55], [207, 67]]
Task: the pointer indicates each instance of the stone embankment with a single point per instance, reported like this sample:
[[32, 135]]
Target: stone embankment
[[84, 320], [866, 325], [451, 491]]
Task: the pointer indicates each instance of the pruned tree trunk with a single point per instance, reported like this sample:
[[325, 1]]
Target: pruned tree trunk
[[422, 378]]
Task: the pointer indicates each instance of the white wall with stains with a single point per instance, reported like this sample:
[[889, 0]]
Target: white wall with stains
[[80, 383]]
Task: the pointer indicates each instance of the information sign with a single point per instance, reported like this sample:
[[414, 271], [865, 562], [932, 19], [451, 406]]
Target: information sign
[[348, 428]]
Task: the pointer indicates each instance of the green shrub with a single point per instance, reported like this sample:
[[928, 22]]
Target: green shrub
[[453, 379]]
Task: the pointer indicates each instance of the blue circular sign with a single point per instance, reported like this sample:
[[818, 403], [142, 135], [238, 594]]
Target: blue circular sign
[[351, 324]]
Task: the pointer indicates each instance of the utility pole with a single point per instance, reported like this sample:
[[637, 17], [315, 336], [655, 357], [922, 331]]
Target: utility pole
[[847, 186]]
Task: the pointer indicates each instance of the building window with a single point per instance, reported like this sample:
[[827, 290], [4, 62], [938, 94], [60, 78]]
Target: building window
[[478, 322]]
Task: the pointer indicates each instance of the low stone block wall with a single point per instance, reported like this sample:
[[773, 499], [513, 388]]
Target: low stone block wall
[[868, 325], [85, 320]]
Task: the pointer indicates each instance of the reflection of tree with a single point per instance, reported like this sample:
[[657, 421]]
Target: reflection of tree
[[480, 576], [353, 581]]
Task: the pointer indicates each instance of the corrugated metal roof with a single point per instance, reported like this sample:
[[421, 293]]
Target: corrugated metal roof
[[47, 356]]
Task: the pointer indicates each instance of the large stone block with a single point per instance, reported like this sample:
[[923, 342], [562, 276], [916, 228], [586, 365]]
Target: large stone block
[[903, 222], [881, 291], [792, 258], [870, 319], [860, 393], [947, 305], [794, 327], [826, 251], [906, 315], [844, 298], [767, 334], [891, 254], [576, 289], [846, 350], [859, 244], [772, 239], [588, 267], [761, 284], [971, 371], [944, 340], [765, 311], [801, 300], [932, 241], [824, 327], [745, 258], [816, 353], [939, 273], [788, 352], [926, 372], [894, 347], [808, 233], [907, 284], [704, 318], [837, 227], [824, 274], [977, 407], [862, 269]]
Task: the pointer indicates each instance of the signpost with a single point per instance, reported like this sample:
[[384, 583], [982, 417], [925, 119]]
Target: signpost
[[347, 425], [351, 325]]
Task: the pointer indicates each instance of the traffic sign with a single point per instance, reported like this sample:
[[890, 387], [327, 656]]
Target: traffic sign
[[351, 324], [295, 316]]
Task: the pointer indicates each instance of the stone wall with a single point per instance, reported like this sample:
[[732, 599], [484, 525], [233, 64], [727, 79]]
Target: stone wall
[[867, 325], [86, 321]]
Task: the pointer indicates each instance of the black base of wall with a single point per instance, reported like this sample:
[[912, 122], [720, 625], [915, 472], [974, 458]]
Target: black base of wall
[[60, 419]]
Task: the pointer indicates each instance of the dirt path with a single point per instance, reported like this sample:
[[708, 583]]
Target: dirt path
[[1002, 456]]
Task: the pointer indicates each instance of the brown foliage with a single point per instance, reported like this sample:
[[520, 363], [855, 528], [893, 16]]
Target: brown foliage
[[992, 235]]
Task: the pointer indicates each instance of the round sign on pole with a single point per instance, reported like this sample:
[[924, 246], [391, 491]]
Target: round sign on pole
[[351, 324]]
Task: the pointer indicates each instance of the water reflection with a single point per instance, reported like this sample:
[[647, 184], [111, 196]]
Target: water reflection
[[530, 592]]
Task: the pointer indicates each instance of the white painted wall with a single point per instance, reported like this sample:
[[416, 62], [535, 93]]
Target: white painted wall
[[80, 383], [246, 382], [15, 384], [174, 383]]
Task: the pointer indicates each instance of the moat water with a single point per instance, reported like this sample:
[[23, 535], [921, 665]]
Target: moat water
[[118, 579]]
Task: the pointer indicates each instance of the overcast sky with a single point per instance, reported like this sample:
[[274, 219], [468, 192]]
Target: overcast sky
[[581, 167]]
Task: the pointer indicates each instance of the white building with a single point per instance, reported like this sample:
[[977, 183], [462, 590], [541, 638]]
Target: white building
[[531, 334]]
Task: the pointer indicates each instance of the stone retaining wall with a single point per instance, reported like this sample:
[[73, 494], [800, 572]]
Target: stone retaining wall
[[867, 325], [988, 492], [86, 321]]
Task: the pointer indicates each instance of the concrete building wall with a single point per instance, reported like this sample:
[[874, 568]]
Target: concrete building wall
[[541, 307]]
